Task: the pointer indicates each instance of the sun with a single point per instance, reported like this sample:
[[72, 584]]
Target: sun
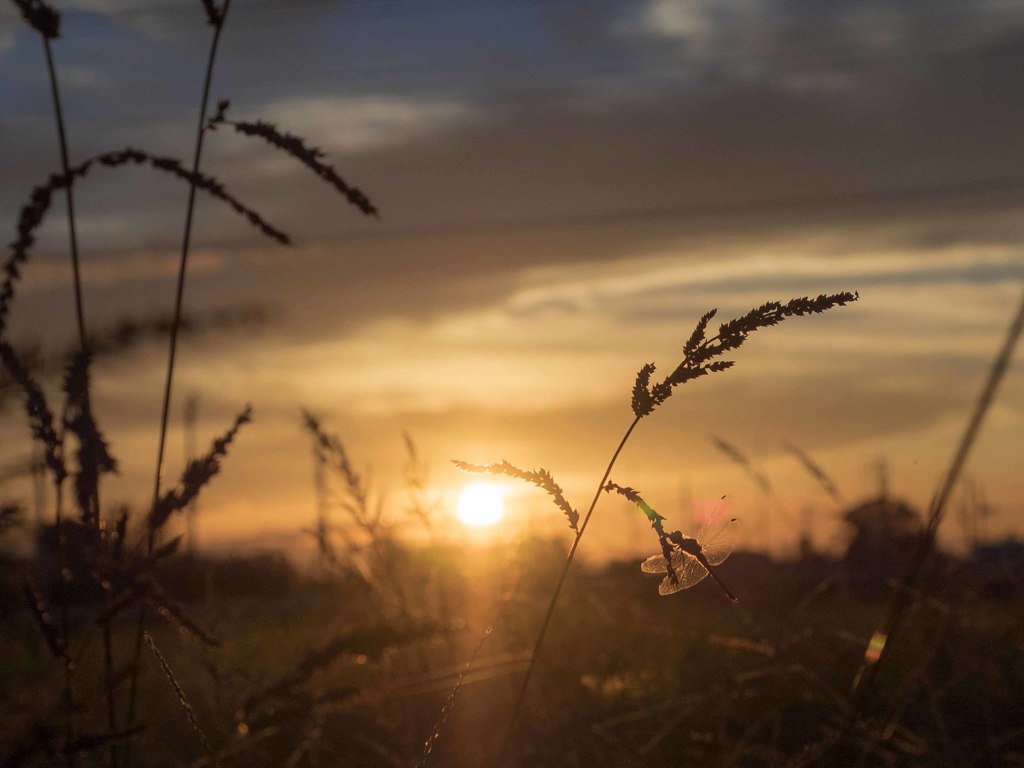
[[480, 504]]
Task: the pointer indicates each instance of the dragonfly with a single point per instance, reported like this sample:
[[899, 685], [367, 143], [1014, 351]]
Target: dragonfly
[[695, 558]]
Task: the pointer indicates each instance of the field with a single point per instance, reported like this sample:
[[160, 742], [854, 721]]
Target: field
[[627, 677]]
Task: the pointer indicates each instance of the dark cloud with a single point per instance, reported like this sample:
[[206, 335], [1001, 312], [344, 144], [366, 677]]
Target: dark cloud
[[670, 156]]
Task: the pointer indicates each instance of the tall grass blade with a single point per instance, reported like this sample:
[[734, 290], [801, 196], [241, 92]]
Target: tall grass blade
[[190, 713], [216, 17], [34, 211], [903, 597], [435, 733], [296, 147], [816, 471], [699, 359]]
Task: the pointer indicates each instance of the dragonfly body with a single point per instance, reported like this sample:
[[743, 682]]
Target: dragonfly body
[[694, 558]]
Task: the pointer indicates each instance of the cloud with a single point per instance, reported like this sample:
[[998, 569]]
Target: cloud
[[354, 124], [701, 27], [661, 279], [84, 77], [100, 271], [825, 51], [565, 335], [154, 19], [8, 19]]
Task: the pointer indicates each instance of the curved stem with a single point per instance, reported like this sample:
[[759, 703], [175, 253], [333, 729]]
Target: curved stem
[[172, 352], [904, 596], [549, 614]]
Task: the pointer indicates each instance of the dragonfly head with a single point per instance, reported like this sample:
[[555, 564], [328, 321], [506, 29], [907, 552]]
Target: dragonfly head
[[687, 544]]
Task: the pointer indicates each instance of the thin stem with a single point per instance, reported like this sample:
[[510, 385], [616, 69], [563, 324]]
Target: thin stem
[[108, 642], [69, 199], [68, 194], [69, 690], [190, 713], [435, 734], [108, 673], [172, 352], [108, 651], [183, 263], [904, 595], [549, 614]]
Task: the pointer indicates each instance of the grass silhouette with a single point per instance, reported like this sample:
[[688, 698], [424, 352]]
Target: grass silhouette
[[701, 357], [347, 669], [125, 583]]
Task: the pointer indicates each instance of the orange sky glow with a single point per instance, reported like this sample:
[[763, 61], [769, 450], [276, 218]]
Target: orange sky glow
[[550, 223]]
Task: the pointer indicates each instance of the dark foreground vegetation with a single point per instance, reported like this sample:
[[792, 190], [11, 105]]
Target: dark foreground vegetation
[[324, 671]]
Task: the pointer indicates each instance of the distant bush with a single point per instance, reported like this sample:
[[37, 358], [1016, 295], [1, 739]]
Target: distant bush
[[265, 574]]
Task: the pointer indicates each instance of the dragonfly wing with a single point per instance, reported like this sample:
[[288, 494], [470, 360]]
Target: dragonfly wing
[[720, 541], [657, 563], [688, 572], [654, 564]]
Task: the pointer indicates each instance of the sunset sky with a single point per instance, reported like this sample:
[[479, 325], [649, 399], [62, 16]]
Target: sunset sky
[[564, 187]]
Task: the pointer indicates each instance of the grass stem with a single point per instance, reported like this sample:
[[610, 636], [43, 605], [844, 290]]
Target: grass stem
[[62, 602], [173, 345], [69, 200], [904, 595], [69, 197], [517, 708]]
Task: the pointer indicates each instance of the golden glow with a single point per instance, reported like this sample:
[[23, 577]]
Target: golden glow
[[480, 504]]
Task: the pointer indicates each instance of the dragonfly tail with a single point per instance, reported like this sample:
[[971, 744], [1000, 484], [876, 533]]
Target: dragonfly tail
[[718, 581]]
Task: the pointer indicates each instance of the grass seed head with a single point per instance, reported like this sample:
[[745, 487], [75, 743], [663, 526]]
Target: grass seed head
[[540, 478], [41, 17], [700, 352]]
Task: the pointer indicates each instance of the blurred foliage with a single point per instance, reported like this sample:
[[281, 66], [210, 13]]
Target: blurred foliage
[[310, 671]]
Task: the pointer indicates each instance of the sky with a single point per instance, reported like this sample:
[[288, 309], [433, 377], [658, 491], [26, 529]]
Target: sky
[[565, 186]]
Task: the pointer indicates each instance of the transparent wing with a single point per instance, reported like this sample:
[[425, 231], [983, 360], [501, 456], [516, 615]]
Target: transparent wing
[[719, 543], [654, 564], [717, 539], [688, 571]]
